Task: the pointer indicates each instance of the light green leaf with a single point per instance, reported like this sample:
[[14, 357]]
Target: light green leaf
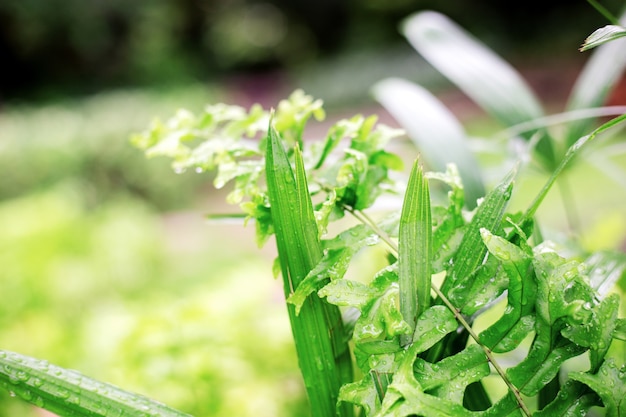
[[362, 393], [344, 292], [382, 319], [323, 353], [541, 365], [415, 249], [69, 393], [338, 253], [432, 326], [436, 132]]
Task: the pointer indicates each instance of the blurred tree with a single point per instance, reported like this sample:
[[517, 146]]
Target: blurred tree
[[77, 46]]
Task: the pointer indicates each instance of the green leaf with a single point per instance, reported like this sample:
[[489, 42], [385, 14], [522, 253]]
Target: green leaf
[[541, 365], [573, 400], [449, 377], [322, 350], [447, 222], [562, 297], [415, 249], [610, 384], [436, 132], [472, 251], [431, 327], [338, 253], [603, 35], [69, 393], [597, 331], [516, 322]]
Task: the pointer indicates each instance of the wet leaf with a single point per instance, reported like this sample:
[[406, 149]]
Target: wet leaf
[[69, 393], [610, 384]]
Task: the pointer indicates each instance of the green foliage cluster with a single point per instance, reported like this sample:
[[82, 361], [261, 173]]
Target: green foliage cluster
[[411, 344]]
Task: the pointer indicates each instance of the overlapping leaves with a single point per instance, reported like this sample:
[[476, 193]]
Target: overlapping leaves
[[413, 340]]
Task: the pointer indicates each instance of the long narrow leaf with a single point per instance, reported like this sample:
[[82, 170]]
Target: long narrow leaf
[[318, 332], [415, 249], [479, 72], [71, 394], [436, 132], [471, 253]]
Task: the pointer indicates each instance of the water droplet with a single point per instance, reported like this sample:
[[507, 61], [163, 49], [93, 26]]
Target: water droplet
[[199, 170], [26, 395], [39, 402]]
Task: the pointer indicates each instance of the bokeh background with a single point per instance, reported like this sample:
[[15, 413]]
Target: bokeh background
[[107, 264]]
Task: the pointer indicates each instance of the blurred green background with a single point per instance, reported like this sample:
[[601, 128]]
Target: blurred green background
[[106, 262]]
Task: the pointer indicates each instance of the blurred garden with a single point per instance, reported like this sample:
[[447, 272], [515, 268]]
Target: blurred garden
[[108, 264]]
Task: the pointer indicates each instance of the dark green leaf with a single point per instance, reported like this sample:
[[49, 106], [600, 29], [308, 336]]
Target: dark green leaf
[[472, 251], [449, 377], [516, 322], [573, 400], [610, 384]]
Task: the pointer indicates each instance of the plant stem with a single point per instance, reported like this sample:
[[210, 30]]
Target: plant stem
[[604, 12], [364, 218], [571, 213]]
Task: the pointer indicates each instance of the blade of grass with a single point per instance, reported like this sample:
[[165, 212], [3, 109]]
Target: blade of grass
[[69, 393], [415, 250], [318, 332]]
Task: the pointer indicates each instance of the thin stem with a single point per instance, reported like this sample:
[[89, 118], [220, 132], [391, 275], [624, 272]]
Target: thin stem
[[569, 205], [604, 12], [365, 219], [459, 317]]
